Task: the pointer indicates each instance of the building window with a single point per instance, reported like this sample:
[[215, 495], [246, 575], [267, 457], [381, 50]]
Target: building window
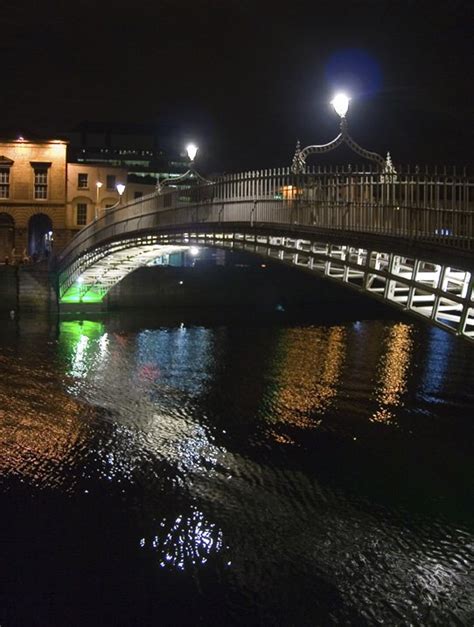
[[137, 194], [41, 183], [111, 181], [81, 214], [82, 180], [4, 182]]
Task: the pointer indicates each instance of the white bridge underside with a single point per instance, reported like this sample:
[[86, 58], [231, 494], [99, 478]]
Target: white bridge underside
[[438, 293]]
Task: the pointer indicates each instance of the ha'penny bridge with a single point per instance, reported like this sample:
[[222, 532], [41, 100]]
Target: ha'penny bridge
[[403, 235]]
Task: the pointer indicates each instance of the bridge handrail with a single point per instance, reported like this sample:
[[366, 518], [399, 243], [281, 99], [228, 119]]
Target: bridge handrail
[[407, 222], [448, 194]]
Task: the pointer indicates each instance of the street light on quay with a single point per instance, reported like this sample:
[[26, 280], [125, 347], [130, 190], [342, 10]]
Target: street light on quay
[[97, 201]]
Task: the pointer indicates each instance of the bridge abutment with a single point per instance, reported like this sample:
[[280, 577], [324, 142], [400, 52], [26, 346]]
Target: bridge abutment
[[28, 288]]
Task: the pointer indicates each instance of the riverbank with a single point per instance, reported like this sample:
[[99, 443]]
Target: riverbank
[[27, 288]]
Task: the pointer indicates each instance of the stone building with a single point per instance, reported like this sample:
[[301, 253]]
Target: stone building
[[44, 200], [92, 189], [32, 197]]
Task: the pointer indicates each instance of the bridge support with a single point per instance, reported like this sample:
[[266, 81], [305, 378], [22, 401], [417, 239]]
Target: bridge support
[[436, 292]]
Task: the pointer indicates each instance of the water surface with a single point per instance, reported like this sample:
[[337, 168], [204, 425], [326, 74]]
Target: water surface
[[170, 472]]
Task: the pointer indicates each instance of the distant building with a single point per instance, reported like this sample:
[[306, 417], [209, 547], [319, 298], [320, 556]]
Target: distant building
[[134, 147]]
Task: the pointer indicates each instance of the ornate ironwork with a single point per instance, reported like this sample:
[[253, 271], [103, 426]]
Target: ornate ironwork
[[191, 174], [299, 159]]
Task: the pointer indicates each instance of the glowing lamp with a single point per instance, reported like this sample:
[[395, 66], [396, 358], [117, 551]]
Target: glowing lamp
[[99, 185], [191, 149], [194, 250], [120, 188], [340, 102]]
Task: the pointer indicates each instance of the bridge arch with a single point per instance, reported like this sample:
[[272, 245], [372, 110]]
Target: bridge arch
[[391, 245]]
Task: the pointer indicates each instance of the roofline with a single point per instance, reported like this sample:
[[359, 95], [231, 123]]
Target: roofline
[[13, 140]]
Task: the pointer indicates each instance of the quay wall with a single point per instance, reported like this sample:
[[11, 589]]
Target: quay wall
[[27, 288]]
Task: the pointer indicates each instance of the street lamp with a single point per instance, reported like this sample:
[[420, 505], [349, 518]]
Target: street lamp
[[191, 149], [190, 174], [97, 202], [120, 187], [340, 102]]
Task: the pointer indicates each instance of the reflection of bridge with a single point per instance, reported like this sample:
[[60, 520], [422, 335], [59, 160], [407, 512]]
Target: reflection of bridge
[[406, 237]]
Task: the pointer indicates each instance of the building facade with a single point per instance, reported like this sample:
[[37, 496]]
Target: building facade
[[32, 197], [44, 200], [92, 190]]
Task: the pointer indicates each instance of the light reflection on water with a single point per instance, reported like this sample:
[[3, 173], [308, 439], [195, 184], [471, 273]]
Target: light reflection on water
[[185, 541], [393, 370], [304, 470]]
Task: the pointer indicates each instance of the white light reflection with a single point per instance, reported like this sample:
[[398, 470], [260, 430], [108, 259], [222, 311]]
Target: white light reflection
[[183, 356], [78, 366], [103, 345], [185, 541]]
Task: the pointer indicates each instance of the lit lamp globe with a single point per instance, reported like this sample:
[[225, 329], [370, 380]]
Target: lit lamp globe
[[191, 149], [120, 188], [340, 102]]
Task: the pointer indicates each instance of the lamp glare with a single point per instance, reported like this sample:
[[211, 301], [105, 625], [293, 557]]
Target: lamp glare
[[191, 149], [340, 102]]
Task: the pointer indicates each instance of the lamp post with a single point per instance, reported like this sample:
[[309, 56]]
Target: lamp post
[[120, 187], [340, 102], [191, 173], [97, 200]]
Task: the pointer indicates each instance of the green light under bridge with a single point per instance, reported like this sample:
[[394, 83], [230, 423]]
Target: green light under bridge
[[83, 294]]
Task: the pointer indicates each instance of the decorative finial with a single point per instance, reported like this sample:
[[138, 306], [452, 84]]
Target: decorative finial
[[296, 165], [389, 167]]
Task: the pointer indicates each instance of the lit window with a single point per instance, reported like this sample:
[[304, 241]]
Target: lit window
[[82, 180], [4, 182], [111, 181], [81, 214], [41, 183]]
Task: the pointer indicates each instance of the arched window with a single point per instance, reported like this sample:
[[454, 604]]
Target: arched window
[[40, 236]]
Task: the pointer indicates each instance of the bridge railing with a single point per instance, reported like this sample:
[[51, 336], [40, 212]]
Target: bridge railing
[[435, 205]]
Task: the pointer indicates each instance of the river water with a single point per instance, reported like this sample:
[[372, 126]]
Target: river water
[[208, 472]]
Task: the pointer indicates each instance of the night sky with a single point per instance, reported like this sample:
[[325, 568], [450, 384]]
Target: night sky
[[246, 79]]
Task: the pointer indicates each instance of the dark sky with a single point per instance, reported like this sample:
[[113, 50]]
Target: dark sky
[[246, 79]]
